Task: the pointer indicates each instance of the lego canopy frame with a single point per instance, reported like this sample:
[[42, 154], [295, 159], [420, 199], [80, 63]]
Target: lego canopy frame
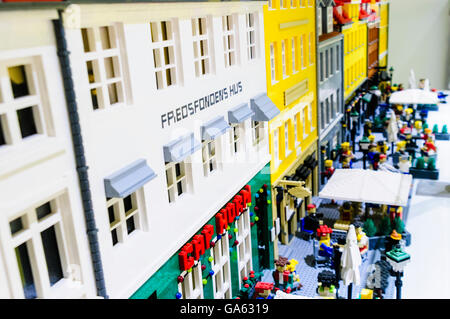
[[360, 185]]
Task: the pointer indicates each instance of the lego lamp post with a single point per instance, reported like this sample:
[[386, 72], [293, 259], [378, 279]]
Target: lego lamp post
[[364, 148], [398, 259], [354, 115]]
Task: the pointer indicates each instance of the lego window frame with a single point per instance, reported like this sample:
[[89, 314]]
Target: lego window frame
[[198, 40], [106, 84], [243, 236], [184, 179], [70, 284], [209, 159], [170, 51], [221, 278], [37, 99]]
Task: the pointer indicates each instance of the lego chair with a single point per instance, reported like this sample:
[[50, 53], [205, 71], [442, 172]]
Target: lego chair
[[302, 228]]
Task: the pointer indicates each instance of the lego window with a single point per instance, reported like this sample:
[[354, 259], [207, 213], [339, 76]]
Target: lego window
[[201, 40], [302, 52], [177, 183], [273, 63], [164, 53], [257, 132], [331, 61], [276, 146], [103, 66], [221, 267], [310, 3], [39, 244], [296, 129], [302, 3], [330, 19], [229, 40], [209, 157], [310, 48], [192, 286], [283, 58], [283, 4], [327, 110], [304, 120], [271, 4], [332, 108], [321, 67], [244, 246], [286, 139], [21, 106], [294, 54], [322, 116], [124, 217], [251, 35], [327, 65], [319, 22], [236, 134], [310, 117], [338, 57]]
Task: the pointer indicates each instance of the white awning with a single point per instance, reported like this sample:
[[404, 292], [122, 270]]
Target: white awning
[[377, 187], [414, 96]]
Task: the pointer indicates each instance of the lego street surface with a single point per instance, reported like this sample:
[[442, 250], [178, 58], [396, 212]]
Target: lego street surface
[[302, 250]]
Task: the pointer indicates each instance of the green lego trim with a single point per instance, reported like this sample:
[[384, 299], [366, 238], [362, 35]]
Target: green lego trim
[[164, 281]]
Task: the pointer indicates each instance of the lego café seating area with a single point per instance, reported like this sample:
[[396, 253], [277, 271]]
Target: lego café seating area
[[281, 149]]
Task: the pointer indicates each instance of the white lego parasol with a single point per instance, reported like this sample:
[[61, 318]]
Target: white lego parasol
[[360, 185]]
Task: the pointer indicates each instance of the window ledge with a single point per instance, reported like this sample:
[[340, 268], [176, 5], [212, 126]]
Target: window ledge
[[31, 152], [67, 289]]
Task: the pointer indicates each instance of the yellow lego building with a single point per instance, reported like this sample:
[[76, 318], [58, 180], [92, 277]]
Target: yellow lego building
[[353, 26], [383, 37], [290, 44]]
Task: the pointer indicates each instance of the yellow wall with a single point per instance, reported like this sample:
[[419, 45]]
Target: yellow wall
[[383, 40], [286, 24], [355, 50]]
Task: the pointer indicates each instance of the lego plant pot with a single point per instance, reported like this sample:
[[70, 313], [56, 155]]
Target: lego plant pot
[[378, 242]]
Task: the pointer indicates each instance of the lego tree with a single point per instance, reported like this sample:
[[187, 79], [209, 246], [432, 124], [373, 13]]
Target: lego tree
[[398, 225], [420, 163], [385, 226], [369, 227], [435, 129], [444, 129], [431, 164]]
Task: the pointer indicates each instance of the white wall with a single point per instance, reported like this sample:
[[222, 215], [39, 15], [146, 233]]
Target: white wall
[[115, 137], [419, 38]]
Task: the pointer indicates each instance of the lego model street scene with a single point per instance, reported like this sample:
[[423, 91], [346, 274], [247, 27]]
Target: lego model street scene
[[219, 150]]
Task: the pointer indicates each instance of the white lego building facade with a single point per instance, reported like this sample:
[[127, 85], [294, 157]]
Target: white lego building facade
[[44, 251], [173, 114]]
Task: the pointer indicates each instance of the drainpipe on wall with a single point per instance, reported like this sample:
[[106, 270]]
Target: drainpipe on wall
[[80, 159]]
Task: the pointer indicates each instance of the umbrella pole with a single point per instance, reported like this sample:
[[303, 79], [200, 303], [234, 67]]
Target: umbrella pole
[[349, 293]]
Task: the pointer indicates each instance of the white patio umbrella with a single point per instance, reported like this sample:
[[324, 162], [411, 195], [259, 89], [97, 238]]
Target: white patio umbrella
[[362, 185], [414, 96], [350, 261]]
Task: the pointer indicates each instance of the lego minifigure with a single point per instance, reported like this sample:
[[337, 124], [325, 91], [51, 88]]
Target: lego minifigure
[[428, 149], [404, 163], [382, 147], [346, 211], [362, 240], [282, 277], [312, 221], [329, 169], [263, 290], [367, 127], [325, 245], [346, 155], [391, 241], [326, 284], [427, 134]]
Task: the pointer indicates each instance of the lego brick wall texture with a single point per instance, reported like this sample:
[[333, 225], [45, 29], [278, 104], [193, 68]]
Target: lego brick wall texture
[[415, 43]]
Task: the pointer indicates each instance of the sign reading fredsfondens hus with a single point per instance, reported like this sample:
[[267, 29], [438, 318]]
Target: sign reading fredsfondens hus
[[182, 112]]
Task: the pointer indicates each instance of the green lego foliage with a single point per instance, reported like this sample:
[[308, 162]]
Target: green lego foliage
[[385, 226], [420, 163], [435, 129], [444, 129], [398, 225], [424, 125], [431, 164], [369, 227]]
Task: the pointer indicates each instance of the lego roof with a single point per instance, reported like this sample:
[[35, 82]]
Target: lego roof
[[414, 96], [377, 187]]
